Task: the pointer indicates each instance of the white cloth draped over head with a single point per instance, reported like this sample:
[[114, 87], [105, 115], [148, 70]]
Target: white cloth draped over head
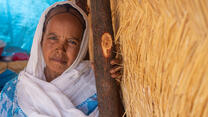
[[58, 98]]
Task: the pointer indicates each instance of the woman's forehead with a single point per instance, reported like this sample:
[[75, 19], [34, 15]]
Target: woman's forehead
[[64, 17], [65, 25], [65, 20], [65, 9]]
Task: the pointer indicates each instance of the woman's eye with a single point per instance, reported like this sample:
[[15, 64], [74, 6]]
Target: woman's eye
[[52, 38], [72, 42]]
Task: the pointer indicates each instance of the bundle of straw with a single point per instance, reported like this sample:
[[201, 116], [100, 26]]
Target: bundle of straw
[[164, 44]]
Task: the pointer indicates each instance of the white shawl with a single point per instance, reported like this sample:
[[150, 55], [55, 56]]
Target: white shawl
[[58, 98]]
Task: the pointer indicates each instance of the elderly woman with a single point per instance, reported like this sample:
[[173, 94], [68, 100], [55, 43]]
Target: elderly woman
[[57, 82]]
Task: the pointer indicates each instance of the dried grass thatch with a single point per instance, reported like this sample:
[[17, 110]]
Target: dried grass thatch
[[164, 44]]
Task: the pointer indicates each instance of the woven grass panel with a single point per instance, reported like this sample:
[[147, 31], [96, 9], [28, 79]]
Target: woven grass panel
[[164, 44], [17, 66], [3, 67]]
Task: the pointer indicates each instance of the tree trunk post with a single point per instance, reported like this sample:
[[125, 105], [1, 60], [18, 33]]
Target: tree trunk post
[[109, 102]]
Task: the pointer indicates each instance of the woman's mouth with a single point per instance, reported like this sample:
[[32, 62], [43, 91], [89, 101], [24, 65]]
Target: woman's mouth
[[59, 60]]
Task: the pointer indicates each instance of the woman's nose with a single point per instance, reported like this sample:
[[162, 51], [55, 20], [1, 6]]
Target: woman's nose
[[62, 46]]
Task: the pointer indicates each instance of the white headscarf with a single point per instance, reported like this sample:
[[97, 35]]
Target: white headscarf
[[58, 98]]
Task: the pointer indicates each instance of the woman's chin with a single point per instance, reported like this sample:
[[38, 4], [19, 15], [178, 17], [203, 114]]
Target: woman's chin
[[58, 67]]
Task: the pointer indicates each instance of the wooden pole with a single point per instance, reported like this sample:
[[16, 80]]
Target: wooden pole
[[83, 5], [109, 102]]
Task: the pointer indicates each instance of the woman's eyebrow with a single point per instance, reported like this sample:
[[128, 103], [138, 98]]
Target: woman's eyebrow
[[74, 38], [54, 34], [51, 34]]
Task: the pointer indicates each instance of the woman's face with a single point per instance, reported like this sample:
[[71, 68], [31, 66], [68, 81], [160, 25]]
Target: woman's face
[[61, 42]]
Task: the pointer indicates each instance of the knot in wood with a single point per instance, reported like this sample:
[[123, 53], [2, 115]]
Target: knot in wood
[[106, 44]]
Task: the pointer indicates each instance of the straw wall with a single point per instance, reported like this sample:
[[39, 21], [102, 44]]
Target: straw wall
[[164, 44]]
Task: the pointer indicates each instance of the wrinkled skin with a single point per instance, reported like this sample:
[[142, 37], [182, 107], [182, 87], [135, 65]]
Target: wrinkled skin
[[61, 43]]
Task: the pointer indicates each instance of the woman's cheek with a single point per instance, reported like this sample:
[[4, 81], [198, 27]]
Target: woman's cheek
[[72, 54], [47, 51]]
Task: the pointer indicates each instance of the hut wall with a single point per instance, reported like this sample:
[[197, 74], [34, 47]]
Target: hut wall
[[164, 45]]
